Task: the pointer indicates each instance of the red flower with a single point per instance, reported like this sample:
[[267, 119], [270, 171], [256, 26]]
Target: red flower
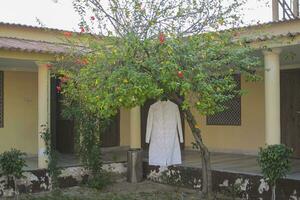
[[84, 61], [49, 65], [82, 30], [67, 34], [180, 74], [162, 38], [78, 61], [92, 18], [64, 79], [58, 89]]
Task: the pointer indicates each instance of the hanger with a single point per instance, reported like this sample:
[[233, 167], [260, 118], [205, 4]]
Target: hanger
[[164, 97]]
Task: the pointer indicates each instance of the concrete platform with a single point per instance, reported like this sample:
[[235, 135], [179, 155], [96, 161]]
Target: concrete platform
[[234, 163], [227, 171], [109, 155]]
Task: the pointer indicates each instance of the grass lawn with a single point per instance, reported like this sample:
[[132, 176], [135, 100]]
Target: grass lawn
[[119, 191]]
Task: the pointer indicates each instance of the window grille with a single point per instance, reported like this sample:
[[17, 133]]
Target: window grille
[[232, 115]]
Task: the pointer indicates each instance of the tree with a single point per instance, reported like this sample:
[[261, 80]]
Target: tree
[[275, 163], [156, 48]]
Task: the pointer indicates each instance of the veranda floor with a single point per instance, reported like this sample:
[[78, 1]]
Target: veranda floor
[[236, 163]]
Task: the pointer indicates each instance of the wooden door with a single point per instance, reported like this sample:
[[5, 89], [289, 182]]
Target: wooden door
[[144, 116], [290, 109], [53, 114], [111, 137], [62, 129], [65, 140]]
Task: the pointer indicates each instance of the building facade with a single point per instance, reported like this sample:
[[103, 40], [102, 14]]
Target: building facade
[[269, 112]]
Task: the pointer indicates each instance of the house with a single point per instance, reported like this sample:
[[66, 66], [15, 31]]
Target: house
[[28, 97], [268, 114]]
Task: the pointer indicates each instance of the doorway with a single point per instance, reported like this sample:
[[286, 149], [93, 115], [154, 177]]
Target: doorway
[[63, 130], [290, 109]]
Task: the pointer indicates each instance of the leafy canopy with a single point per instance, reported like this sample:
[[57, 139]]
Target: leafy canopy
[[155, 48], [125, 72]]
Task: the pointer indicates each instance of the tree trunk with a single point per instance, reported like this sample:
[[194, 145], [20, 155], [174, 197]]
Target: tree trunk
[[16, 196], [205, 155], [273, 192]]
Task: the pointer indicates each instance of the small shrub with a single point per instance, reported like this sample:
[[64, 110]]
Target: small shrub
[[12, 162], [93, 160], [275, 163], [11, 165], [100, 181]]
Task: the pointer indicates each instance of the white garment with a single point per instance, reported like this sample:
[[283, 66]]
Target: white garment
[[163, 127]]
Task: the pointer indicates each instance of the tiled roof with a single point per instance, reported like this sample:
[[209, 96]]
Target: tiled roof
[[24, 45], [32, 27], [60, 30], [270, 37], [271, 23]]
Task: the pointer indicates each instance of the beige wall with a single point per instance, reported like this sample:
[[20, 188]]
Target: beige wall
[[246, 138], [20, 112]]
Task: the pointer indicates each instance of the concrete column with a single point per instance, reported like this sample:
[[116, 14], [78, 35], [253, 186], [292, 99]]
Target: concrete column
[[275, 10], [43, 111], [135, 128], [296, 8], [272, 96]]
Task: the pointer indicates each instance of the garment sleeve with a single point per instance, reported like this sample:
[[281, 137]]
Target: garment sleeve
[[179, 127], [149, 125]]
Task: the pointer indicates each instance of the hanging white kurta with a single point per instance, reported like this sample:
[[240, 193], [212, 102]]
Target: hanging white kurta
[[163, 128]]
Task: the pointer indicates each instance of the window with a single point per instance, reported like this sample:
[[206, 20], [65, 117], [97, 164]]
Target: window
[[232, 115], [1, 100]]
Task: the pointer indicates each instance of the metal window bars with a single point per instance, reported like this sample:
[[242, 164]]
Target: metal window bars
[[287, 12]]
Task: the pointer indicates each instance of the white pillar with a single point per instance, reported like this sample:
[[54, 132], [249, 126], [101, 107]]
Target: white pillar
[[275, 10], [296, 8], [43, 111], [272, 96], [135, 128], [135, 154]]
